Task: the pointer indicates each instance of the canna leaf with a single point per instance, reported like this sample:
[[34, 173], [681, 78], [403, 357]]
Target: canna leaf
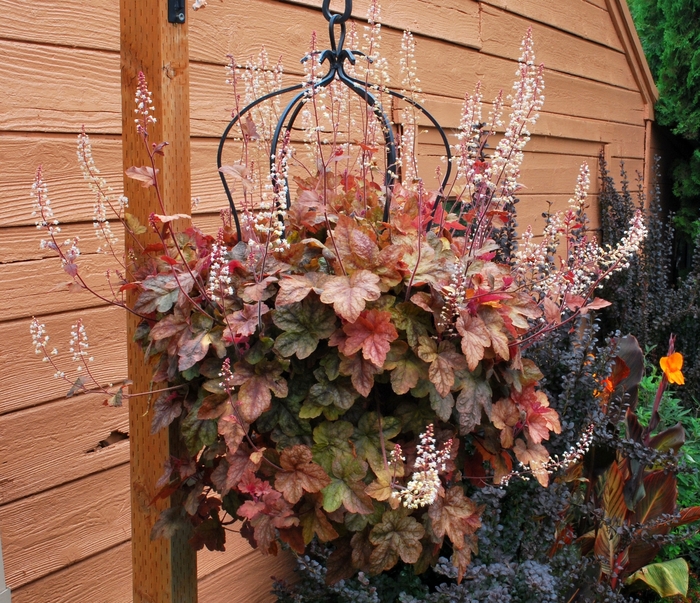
[[668, 579]]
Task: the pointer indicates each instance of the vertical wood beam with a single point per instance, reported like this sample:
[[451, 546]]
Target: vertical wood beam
[[164, 571]]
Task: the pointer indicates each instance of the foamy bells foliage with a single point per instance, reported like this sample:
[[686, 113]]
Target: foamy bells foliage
[[301, 355]]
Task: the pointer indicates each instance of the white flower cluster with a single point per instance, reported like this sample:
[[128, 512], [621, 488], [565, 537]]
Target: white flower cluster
[[144, 106], [42, 208], [586, 264], [104, 195], [424, 485], [377, 69], [219, 284], [407, 64], [226, 376], [526, 102], [469, 137], [557, 463], [40, 340], [78, 344]]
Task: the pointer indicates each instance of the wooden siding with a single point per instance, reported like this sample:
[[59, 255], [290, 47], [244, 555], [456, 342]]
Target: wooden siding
[[63, 499]]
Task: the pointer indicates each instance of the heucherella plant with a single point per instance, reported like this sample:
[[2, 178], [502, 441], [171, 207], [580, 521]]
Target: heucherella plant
[[331, 372]]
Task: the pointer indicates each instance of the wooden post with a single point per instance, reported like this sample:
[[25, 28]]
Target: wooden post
[[164, 571]]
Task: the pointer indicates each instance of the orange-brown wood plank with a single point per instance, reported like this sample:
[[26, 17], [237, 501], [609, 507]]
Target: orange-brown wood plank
[[558, 50], [59, 103], [27, 286], [70, 25], [46, 446], [72, 201], [70, 197], [18, 243], [576, 17], [28, 382], [103, 578], [106, 576], [454, 20], [164, 571], [48, 531], [62, 23], [246, 580], [602, 4], [53, 89]]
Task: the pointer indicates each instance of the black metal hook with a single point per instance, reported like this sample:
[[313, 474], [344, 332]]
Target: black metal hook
[[336, 57], [344, 16]]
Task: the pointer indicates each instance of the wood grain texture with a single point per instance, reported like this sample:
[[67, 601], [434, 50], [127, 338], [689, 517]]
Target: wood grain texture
[[59, 104], [602, 4], [164, 571], [68, 24], [64, 23], [577, 17], [54, 89], [557, 50], [626, 136], [29, 382], [103, 578], [454, 20], [37, 287], [70, 197], [72, 201], [33, 440], [19, 243], [247, 580], [106, 576], [67, 524]]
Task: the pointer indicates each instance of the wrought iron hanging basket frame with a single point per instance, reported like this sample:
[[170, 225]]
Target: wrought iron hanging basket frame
[[336, 57]]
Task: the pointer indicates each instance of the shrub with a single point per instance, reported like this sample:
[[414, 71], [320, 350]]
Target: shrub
[[644, 300]]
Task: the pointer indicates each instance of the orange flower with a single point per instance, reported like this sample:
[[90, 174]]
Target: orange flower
[[671, 366], [608, 384]]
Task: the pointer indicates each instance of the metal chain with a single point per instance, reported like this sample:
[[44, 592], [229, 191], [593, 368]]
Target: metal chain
[[326, 8]]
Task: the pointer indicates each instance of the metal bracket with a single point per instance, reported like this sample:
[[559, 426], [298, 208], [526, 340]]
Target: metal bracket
[[176, 11]]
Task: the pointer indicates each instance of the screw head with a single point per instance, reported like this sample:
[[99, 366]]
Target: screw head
[[181, 17]]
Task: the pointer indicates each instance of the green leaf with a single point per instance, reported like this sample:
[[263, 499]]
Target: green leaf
[[415, 321], [331, 364], [366, 436], [406, 369], [347, 488], [304, 324], [160, 292], [283, 420], [338, 393], [474, 397], [415, 415], [442, 405], [668, 579], [258, 350], [331, 441], [133, 224], [198, 433], [397, 535]]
